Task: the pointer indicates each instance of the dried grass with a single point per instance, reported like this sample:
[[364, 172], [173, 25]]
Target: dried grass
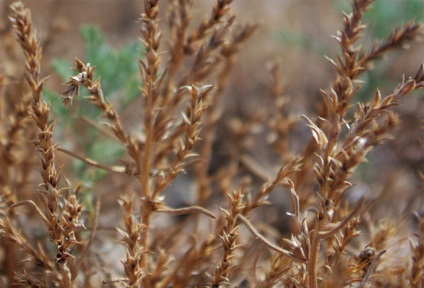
[[323, 245]]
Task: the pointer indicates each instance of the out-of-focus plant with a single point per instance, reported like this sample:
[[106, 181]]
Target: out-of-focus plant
[[108, 60], [121, 88], [396, 13]]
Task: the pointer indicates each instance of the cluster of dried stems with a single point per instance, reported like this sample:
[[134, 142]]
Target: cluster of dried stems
[[179, 120]]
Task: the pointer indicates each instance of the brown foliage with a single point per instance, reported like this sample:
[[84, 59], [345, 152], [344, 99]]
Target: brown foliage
[[322, 245]]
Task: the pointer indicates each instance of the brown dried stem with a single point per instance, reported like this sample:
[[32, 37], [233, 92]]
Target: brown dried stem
[[267, 243], [371, 269], [221, 8], [417, 247], [62, 222], [86, 78], [237, 212], [349, 66], [228, 236], [117, 169]]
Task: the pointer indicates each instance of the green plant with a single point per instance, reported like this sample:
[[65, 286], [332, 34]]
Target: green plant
[[122, 87]]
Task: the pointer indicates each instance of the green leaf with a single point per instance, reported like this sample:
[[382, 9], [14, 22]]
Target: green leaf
[[118, 68]]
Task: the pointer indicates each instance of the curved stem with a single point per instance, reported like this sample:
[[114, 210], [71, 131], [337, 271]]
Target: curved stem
[[118, 169]]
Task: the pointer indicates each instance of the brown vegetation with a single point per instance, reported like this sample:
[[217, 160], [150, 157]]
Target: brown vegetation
[[223, 237]]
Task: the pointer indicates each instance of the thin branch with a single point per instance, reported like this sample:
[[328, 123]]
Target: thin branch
[[87, 247], [344, 222], [266, 241], [371, 269], [101, 128], [187, 210], [34, 206], [255, 168], [117, 169]]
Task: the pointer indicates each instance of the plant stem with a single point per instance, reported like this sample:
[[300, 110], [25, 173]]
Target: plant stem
[[313, 257], [145, 181]]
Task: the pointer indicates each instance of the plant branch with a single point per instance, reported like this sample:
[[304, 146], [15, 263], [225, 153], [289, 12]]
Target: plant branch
[[266, 242], [117, 169]]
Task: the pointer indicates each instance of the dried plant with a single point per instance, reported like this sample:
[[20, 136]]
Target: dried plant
[[331, 238]]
